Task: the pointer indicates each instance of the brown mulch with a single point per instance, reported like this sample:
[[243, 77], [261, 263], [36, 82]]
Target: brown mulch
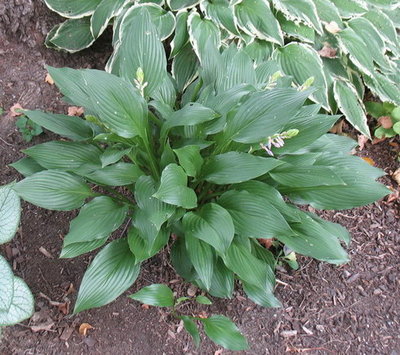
[[352, 309]]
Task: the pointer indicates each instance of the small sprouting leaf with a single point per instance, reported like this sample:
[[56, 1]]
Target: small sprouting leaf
[[9, 213], [224, 332], [203, 300], [155, 295]]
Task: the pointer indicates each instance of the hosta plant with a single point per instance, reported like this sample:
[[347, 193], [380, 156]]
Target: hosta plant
[[211, 167], [16, 300], [388, 118], [344, 45]]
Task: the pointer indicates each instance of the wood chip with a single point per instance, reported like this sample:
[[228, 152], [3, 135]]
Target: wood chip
[[66, 334], [46, 253], [288, 333], [42, 327]]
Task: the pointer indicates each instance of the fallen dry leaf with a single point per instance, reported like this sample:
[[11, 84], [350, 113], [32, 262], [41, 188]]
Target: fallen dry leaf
[[75, 111], [394, 196], [362, 140], [328, 52], [266, 242], [64, 307], [14, 108], [48, 79], [332, 27], [71, 289], [145, 306], [83, 328], [369, 161], [337, 128], [218, 352], [42, 327], [378, 140], [203, 315], [396, 176], [385, 122]]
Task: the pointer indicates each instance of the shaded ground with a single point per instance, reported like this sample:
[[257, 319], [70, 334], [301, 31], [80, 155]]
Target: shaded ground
[[350, 309]]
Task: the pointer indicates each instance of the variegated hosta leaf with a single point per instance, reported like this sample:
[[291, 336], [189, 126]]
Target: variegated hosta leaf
[[296, 30], [259, 50], [221, 13], [350, 8], [256, 19], [181, 33], [106, 10], [73, 8], [72, 35], [351, 106], [302, 62], [385, 88], [300, 10], [327, 11], [176, 5], [9, 214], [6, 285]]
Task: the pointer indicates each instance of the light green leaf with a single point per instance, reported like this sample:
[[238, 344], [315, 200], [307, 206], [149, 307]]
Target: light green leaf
[[309, 66], [223, 331], [173, 188], [119, 174], [212, 224], [22, 304], [252, 216], [176, 5], [54, 190], [155, 295], [111, 273], [256, 19], [190, 159], [327, 11], [236, 167], [10, 210], [73, 35], [73, 8], [191, 328], [350, 8], [6, 285], [203, 300], [71, 127], [96, 220], [351, 106]]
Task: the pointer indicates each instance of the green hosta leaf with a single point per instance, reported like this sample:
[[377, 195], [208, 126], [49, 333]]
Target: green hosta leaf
[[350, 8], [76, 249], [140, 47], [192, 329], [202, 257], [181, 261], [54, 190], [111, 273], [385, 88], [106, 10], [155, 295], [173, 188], [96, 220], [119, 174], [303, 10], [73, 8], [212, 224], [9, 214], [67, 156], [264, 114], [221, 13], [176, 5], [112, 155], [27, 166], [351, 43], [352, 107], [22, 304], [252, 216], [327, 11], [223, 331], [203, 300], [6, 285], [335, 229], [71, 127], [309, 66], [73, 35], [181, 33], [184, 67], [261, 296], [259, 50], [306, 176], [190, 159], [222, 282], [166, 91], [235, 167]]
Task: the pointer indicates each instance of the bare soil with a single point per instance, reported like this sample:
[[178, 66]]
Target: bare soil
[[352, 309]]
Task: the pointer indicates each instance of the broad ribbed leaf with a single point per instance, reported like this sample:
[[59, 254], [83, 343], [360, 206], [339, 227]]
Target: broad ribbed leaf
[[54, 190], [71, 127], [252, 216], [300, 10], [173, 188], [22, 304], [73, 35], [223, 331], [181, 33], [72, 8], [184, 67], [202, 257], [385, 88], [351, 43], [112, 155], [309, 66], [222, 282], [261, 296], [296, 30], [9, 214], [191, 327], [264, 114], [6, 285], [190, 159], [212, 224], [140, 47], [340, 232], [27, 166], [111, 273], [350, 8], [222, 14], [256, 19], [155, 295], [235, 167], [76, 249], [176, 5], [106, 10], [96, 220], [327, 11], [351, 106], [119, 174], [67, 156]]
